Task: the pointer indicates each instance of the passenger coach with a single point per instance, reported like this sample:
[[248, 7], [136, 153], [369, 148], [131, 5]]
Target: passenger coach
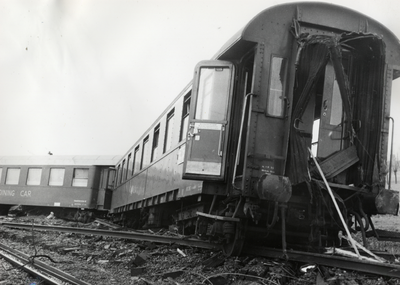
[[231, 155], [57, 182]]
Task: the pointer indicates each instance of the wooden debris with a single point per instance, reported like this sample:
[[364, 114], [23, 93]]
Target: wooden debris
[[181, 252], [347, 253], [106, 223], [380, 259], [352, 241], [69, 249]]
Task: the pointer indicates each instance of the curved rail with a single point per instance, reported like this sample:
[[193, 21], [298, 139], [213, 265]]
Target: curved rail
[[37, 268]]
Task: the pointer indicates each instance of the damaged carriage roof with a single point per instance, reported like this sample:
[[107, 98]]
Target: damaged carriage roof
[[306, 13]]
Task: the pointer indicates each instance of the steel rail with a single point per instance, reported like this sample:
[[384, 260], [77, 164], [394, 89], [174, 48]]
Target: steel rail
[[381, 269], [38, 268], [384, 269], [119, 234], [28, 268]]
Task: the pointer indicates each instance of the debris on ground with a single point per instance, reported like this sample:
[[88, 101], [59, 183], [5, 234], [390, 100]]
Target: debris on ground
[[108, 260]]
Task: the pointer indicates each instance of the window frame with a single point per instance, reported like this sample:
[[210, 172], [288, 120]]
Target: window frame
[[28, 176], [210, 98], [270, 100], [155, 144], [145, 153], [127, 172], [122, 171], [111, 178], [185, 115], [135, 158], [9, 173], [117, 176], [77, 180], [169, 128], [50, 176]]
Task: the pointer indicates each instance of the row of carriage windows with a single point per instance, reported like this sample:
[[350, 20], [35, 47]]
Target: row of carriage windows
[[56, 177], [151, 150]]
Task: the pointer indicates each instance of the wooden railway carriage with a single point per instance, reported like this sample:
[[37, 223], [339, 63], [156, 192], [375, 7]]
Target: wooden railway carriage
[[298, 76], [57, 183]]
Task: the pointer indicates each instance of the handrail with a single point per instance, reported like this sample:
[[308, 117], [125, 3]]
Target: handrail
[[391, 153], [249, 95]]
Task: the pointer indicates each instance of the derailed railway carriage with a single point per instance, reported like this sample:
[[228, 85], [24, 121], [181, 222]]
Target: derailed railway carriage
[[231, 158]]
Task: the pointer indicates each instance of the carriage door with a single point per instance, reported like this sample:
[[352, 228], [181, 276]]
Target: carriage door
[[206, 143], [330, 129]]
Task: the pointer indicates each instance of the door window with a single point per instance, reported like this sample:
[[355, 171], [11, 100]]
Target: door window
[[212, 98]]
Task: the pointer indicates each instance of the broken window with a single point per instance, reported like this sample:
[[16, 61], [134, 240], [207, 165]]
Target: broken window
[[276, 87]]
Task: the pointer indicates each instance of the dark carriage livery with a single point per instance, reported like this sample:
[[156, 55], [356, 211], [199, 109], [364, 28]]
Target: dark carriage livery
[[299, 80], [62, 184]]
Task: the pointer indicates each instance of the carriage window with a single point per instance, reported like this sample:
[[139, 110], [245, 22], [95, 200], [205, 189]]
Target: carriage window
[[81, 177], [213, 93], [104, 173], [185, 116], [128, 166], [145, 153], [12, 177], [111, 178], [135, 160], [123, 172], [276, 87], [34, 175], [118, 175], [169, 130], [156, 136], [56, 176]]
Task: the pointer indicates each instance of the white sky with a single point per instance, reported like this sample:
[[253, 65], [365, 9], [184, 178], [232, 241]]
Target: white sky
[[87, 77]]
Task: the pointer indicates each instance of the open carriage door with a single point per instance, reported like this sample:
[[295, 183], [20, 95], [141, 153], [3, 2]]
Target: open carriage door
[[205, 156], [330, 129]]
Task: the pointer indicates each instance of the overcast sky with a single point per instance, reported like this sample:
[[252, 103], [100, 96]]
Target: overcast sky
[[88, 77]]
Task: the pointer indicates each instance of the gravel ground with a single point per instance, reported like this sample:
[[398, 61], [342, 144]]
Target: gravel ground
[[106, 260]]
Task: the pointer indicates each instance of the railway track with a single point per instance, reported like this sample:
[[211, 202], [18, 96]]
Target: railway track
[[382, 269], [120, 234], [45, 272]]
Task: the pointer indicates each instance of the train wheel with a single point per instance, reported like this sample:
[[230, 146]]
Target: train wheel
[[235, 246]]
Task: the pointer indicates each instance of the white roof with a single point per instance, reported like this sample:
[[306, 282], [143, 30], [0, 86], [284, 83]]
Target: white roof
[[61, 160]]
